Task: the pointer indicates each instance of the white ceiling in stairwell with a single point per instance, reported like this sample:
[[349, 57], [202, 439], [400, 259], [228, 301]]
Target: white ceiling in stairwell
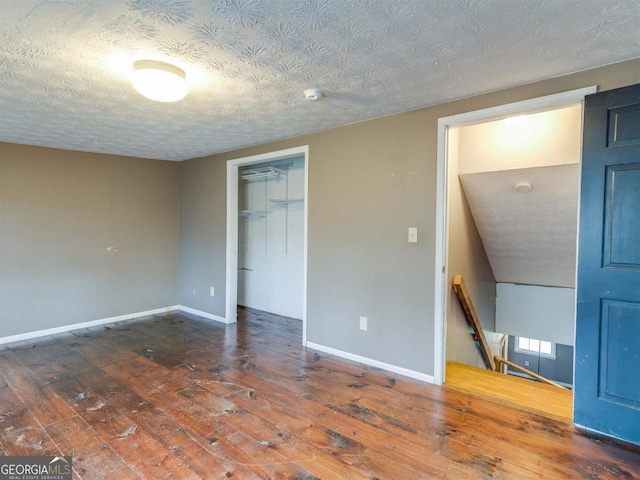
[[529, 238], [64, 64], [551, 137]]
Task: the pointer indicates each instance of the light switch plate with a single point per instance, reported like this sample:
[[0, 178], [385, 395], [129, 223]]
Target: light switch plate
[[413, 234]]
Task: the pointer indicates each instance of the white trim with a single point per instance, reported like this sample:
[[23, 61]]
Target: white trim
[[200, 313], [231, 297], [231, 273], [77, 326], [441, 273], [548, 102], [541, 104], [305, 245], [374, 363]]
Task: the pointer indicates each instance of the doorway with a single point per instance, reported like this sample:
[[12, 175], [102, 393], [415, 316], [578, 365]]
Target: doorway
[[266, 203], [478, 180]]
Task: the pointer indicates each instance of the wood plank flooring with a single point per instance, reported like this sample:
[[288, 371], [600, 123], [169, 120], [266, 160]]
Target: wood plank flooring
[[176, 396], [534, 397]]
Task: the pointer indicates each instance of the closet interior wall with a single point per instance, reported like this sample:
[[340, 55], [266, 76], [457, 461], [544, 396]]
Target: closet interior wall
[[271, 236]]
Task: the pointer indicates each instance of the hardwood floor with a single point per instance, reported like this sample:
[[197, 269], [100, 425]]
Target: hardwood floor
[[535, 397], [176, 396]]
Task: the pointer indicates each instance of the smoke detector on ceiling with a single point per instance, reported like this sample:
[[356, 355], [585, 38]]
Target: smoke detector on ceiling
[[313, 94], [523, 187]]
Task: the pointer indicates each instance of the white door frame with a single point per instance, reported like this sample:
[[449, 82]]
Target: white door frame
[[231, 298], [442, 198]]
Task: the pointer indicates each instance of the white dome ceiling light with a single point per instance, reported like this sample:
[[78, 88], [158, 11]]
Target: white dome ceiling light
[[523, 187], [159, 81]]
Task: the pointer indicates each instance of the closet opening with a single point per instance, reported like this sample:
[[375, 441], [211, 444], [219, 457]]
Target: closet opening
[[267, 234]]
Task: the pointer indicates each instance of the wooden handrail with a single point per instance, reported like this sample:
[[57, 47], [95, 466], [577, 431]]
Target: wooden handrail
[[492, 362], [472, 317], [515, 366]]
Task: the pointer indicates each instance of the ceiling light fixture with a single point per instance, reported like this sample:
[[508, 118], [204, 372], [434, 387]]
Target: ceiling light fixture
[[313, 94], [523, 187], [159, 81], [516, 121]]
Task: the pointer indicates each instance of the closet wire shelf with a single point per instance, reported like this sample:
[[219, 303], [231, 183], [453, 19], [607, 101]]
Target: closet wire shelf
[[286, 201], [253, 213], [261, 173]]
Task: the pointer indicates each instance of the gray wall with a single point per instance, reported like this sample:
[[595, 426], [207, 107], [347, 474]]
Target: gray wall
[[368, 182], [203, 221], [365, 188], [559, 369], [59, 212], [535, 311], [467, 257]]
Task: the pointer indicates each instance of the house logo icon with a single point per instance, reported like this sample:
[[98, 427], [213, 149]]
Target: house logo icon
[[59, 468]]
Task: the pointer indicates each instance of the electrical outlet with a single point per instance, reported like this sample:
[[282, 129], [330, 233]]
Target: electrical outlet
[[526, 363], [363, 323], [212, 291], [413, 235]]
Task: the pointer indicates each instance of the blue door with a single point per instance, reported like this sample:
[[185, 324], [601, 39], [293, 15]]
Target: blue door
[[607, 382]]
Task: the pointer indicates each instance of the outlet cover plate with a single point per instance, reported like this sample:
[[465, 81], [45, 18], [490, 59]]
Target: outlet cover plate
[[413, 235], [363, 323]]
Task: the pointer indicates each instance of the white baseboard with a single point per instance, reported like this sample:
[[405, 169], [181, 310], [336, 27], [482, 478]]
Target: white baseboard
[[374, 363], [76, 326], [200, 313], [321, 348]]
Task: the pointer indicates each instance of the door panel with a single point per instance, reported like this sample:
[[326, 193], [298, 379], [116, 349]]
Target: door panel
[[622, 214], [623, 125], [621, 349], [607, 380]]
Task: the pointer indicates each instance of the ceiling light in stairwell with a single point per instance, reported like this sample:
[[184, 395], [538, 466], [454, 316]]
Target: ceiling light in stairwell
[[516, 121], [523, 187], [159, 81]]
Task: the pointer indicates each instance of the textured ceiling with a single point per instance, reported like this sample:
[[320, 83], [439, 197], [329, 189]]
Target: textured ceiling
[[529, 238], [64, 64]]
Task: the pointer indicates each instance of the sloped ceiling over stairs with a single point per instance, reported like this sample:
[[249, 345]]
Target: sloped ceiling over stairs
[[529, 238]]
